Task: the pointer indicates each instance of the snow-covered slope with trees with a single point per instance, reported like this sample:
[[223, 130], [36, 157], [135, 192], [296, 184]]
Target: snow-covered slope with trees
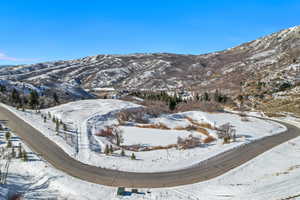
[[264, 57]]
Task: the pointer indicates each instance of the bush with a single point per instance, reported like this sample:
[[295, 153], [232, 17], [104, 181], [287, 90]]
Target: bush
[[189, 142], [133, 156], [156, 126], [209, 139], [284, 86]]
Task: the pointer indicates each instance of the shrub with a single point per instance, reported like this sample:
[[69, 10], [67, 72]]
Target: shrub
[[202, 130], [209, 139], [156, 126], [133, 156], [106, 132], [189, 142]]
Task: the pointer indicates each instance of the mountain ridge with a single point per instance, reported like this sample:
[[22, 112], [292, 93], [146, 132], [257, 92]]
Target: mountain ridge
[[271, 59]]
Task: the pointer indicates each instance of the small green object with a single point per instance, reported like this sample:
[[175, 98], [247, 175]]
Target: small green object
[[133, 156], [121, 191]]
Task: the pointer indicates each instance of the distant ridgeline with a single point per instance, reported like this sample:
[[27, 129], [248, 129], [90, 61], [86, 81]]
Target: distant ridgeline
[[2, 66]]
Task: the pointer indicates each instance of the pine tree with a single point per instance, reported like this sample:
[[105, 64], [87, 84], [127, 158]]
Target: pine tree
[[197, 97], [33, 99], [15, 96], [133, 156], [20, 151], [55, 98], [9, 144], [172, 104], [206, 96], [217, 96], [25, 157], [7, 135], [2, 88], [13, 152]]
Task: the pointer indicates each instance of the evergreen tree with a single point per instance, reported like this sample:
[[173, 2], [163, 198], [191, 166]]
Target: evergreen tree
[[20, 151], [24, 100], [9, 144], [55, 98], [13, 152], [240, 98], [15, 96], [133, 156], [2, 88], [25, 157], [197, 97], [172, 104], [7, 135], [33, 99], [216, 96], [206, 96]]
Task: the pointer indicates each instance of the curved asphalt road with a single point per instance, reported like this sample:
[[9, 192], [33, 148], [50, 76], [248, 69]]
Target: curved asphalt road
[[206, 170]]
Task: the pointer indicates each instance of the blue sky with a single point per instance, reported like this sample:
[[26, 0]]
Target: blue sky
[[42, 30]]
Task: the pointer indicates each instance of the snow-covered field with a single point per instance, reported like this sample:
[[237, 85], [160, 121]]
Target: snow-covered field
[[37, 179], [89, 116], [273, 175]]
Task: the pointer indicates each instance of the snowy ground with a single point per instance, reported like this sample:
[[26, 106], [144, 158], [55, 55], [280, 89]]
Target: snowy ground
[[37, 179], [91, 115], [273, 175]]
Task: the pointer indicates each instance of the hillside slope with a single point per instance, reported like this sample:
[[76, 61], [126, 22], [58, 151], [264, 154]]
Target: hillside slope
[[273, 59]]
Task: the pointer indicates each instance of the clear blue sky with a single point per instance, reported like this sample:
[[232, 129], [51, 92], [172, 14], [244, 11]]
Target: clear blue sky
[[43, 30]]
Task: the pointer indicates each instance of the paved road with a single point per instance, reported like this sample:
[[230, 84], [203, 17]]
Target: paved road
[[209, 169]]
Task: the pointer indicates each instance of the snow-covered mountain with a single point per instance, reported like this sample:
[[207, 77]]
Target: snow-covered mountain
[[269, 58]]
